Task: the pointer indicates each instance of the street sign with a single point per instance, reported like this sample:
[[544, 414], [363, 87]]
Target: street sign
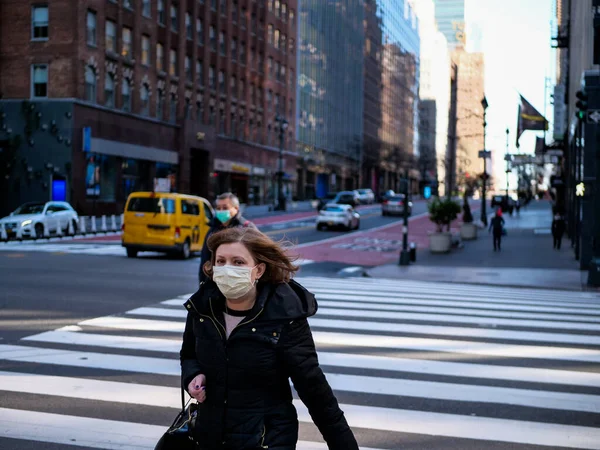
[[485, 154], [593, 116], [427, 192]]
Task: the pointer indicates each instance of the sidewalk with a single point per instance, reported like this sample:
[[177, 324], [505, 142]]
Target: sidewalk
[[527, 258]]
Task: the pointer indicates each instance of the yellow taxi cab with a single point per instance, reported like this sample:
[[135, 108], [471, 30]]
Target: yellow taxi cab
[[165, 222]]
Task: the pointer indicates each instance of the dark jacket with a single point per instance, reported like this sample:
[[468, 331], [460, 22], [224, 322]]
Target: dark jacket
[[217, 225], [558, 227], [496, 224], [248, 396]]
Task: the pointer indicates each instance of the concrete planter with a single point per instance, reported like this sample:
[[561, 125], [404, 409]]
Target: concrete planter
[[440, 242], [468, 231]]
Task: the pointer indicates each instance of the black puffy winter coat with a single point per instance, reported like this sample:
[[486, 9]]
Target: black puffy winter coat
[[248, 396]]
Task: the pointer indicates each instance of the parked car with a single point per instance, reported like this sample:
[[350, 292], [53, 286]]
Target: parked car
[[165, 222], [385, 195], [39, 218], [337, 215], [341, 198], [366, 196], [395, 205]]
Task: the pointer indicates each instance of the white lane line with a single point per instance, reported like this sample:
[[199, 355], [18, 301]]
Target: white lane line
[[89, 432], [484, 304], [440, 287], [170, 366], [429, 290], [464, 347], [466, 427], [342, 339]]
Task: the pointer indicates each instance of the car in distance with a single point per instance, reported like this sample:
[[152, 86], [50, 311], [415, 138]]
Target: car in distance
[[366, 196], [394, 204], [341, 198], [39, 219], [335, 215], [327, 199]]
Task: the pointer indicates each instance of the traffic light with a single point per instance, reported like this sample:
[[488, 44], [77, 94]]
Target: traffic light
[[582, 104]]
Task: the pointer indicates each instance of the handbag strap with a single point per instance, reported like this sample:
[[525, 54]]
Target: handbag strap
[[182, 399]]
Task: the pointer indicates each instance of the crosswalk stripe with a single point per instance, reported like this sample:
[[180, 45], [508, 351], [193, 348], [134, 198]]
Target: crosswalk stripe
[[89, 432], [529, 354], [170, 366]]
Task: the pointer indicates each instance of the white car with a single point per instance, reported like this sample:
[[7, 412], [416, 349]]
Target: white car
[[39, 218], [366, 196], [336, 215]]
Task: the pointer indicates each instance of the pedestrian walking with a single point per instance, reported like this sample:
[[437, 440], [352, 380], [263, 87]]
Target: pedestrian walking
[[558, 229], [227, 215], [245, 337], [497, 228]]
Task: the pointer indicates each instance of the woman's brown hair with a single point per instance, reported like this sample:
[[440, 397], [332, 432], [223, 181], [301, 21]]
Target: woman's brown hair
[[279, 266]]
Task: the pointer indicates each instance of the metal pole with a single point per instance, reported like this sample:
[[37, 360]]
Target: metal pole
[[280, 205], [507, 157], [405, 255], [483, 194]]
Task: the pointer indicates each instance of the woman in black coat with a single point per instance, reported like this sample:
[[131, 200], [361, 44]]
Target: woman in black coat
[[246, 336]]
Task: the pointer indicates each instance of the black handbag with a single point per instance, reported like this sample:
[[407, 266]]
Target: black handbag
[[179, 435]]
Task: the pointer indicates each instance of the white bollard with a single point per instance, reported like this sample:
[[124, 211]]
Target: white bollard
[[93, 219], [122, 221], [113, 223], [71, 230], [103, 224], [82, 225], [3, 235]]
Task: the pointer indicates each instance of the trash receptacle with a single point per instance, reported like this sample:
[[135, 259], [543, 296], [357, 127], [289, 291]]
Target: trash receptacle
[[413, 252]]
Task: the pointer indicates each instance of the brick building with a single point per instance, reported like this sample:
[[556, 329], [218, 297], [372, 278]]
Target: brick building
[[188, 90]]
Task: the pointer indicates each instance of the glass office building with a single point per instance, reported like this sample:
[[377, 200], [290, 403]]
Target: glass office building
[[450, 17], [391, 89], [330, 95]]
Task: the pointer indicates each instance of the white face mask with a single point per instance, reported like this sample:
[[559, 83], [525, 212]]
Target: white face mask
[[234, 282]]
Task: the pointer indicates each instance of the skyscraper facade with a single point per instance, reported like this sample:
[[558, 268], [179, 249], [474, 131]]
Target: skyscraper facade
[[450, 17], [329, 92], [391, 85]]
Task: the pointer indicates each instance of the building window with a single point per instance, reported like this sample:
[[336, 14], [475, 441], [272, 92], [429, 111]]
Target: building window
[[276, 37], [277, 7], [146, 8], [109, 90], [253, 23], [126, 95], [187, 65], [292, 45], [261, 62], [187, 108], [90, 84], [160, 57], [221, 121], [174, 25], [146, 50], [213, 5], [233, 87], [173, 109], [223, 7], [284, 12], [283, 43], [222, 47], [243, 52], [39, 22], [270, 67], [39, 86], [173, 63], [270, 35], [160, 105], [277, 71], [145, 100], [161, 12], [126, 51], [292, 16], [282, 76], [269, 99], [211, 115], [242, 89], [211, 77], [234, 49], [189, 31], [243, 18], [128, 4], [221, 82], [110, 36], [199, 73], [200, 32], [199, 111], [234, 11], [90, 28], [212, 36]]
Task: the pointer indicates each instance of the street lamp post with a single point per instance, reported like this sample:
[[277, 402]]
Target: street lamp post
[[283, 125], [507, 159], [484, 103]]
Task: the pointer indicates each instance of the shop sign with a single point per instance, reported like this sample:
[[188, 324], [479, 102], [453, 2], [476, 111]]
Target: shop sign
[[259, 171], [162, 185], [224, 165]]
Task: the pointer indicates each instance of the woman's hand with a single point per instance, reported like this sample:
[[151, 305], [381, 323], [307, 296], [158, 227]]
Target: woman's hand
[[197, 387]]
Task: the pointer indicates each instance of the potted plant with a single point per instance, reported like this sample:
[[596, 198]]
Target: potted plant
[[442, 212], [468, 230]]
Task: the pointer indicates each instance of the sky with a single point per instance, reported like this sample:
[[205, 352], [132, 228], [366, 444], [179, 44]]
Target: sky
[[515, 38]]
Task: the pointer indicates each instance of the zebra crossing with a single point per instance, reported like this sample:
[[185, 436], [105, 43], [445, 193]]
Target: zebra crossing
[[413, 364]]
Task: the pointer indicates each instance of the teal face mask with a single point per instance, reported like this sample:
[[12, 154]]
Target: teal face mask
[[223, 216]]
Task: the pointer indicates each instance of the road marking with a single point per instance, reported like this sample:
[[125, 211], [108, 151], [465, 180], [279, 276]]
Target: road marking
[[15, 255]]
